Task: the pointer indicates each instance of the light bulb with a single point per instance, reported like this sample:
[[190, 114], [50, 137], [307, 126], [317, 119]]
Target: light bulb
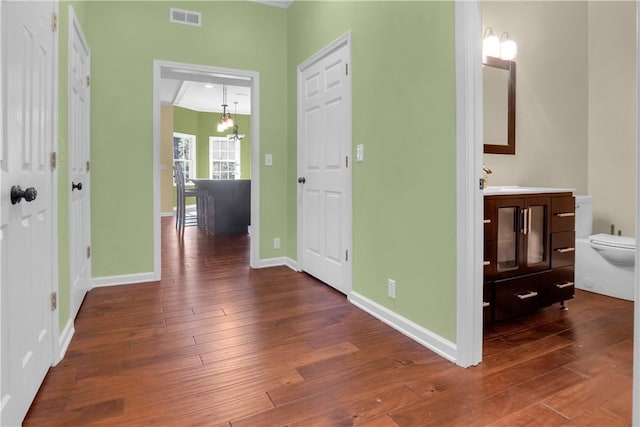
[[508, 48], [490, 44]]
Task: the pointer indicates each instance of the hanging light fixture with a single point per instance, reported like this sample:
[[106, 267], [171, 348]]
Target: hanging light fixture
[[234, 136], [508, 48], [226, 121]]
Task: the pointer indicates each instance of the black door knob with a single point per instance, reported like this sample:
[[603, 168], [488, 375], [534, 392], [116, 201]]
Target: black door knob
[[17, 194], [75, 186], [301, 180]]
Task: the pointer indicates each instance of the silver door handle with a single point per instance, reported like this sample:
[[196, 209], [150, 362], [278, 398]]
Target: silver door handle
[[485, 263], [565, 214], [485, 304], [486, 221]]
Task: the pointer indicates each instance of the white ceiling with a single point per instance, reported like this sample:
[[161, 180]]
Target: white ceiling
[[203, 91]]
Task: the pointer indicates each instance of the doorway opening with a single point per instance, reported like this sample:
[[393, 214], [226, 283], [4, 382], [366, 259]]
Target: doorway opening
[[165, 76]]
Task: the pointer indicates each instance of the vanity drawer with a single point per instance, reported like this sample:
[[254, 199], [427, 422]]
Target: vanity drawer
[[563, 214], [563, 249], [559, 286], [515, 297]]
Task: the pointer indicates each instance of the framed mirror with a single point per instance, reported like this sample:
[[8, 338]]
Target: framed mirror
[[499, 106]]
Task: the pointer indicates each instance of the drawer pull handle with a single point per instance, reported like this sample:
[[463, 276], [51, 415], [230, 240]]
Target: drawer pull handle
[[565, 214], [564, 285], [486, 221], [529, 294], [565, 250], [485, 304], [485, 263]]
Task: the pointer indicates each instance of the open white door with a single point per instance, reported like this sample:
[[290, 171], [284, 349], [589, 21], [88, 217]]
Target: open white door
[[26, 214], [324, 151], [79, 178]]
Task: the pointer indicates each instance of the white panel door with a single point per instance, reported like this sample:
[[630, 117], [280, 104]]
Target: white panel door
[[79, 200], [325, 181], [26, 236]]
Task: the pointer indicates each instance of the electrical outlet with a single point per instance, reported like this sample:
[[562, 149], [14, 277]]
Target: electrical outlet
[[360, 153], [268, 160], [392, 288], [276, 243]]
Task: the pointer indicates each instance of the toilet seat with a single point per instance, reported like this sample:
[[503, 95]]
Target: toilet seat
[[613, 241]]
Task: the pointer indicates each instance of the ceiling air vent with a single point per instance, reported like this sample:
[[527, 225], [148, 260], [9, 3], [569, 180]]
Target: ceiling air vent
[[180, 16]]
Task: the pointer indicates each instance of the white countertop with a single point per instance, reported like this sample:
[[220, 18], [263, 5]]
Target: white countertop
[[515, 189]]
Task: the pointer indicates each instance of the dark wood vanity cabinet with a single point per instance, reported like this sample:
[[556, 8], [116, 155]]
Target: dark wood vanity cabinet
[[529, 253]]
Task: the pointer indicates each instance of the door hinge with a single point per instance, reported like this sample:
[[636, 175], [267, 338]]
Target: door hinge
[[88, 165], [88, 81], [54, 22], [54, 160], [346, 69], [482, 183], [346, 255], [54, 301], [346, 161], [88, 251]]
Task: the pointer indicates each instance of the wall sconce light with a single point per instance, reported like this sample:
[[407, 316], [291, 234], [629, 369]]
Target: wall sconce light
[[503, 47]]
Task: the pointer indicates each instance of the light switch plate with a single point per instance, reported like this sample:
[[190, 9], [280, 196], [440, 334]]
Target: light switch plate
[[360, 153], [268, 160]]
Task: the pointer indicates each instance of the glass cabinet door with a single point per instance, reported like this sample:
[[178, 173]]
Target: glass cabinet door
[[508, 236], [535, 227]]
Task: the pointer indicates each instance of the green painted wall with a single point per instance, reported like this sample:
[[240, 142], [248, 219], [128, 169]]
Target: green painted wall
[[125, 38], [403, 75], [64, 275]]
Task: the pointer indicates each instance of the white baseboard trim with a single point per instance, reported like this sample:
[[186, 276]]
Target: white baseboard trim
[[432, 341], [172, 213], [277, 262], [292, 264], [127, 279], [64, 340]]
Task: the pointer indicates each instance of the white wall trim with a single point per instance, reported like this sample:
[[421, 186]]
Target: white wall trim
[[254, 76], [126, 279], [278, 262], [469, 201], [431, 340], [63, 341], [167, 214], [55, 283], [636, 339]]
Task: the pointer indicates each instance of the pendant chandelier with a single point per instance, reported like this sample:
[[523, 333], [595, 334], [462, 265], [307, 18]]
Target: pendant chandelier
[[234, 136], [226, 121]]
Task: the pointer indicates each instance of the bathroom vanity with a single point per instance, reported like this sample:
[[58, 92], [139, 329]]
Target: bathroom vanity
[[529, 249]]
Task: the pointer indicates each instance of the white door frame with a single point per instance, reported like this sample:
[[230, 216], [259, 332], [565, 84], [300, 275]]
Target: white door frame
[[343, 40], [469, 198], [254, 77], [75, 27], [636, 338]]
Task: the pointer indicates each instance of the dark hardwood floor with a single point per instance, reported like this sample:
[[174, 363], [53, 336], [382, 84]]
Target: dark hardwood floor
[[215, 343]]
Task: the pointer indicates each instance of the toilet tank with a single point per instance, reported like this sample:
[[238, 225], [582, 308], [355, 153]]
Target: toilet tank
[[584, 217]]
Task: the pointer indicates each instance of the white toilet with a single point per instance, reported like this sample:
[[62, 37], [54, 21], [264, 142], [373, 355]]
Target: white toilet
[[605, 263]]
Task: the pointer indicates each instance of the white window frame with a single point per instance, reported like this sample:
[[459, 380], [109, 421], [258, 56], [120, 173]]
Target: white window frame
[[212, 141], [192, 161]]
